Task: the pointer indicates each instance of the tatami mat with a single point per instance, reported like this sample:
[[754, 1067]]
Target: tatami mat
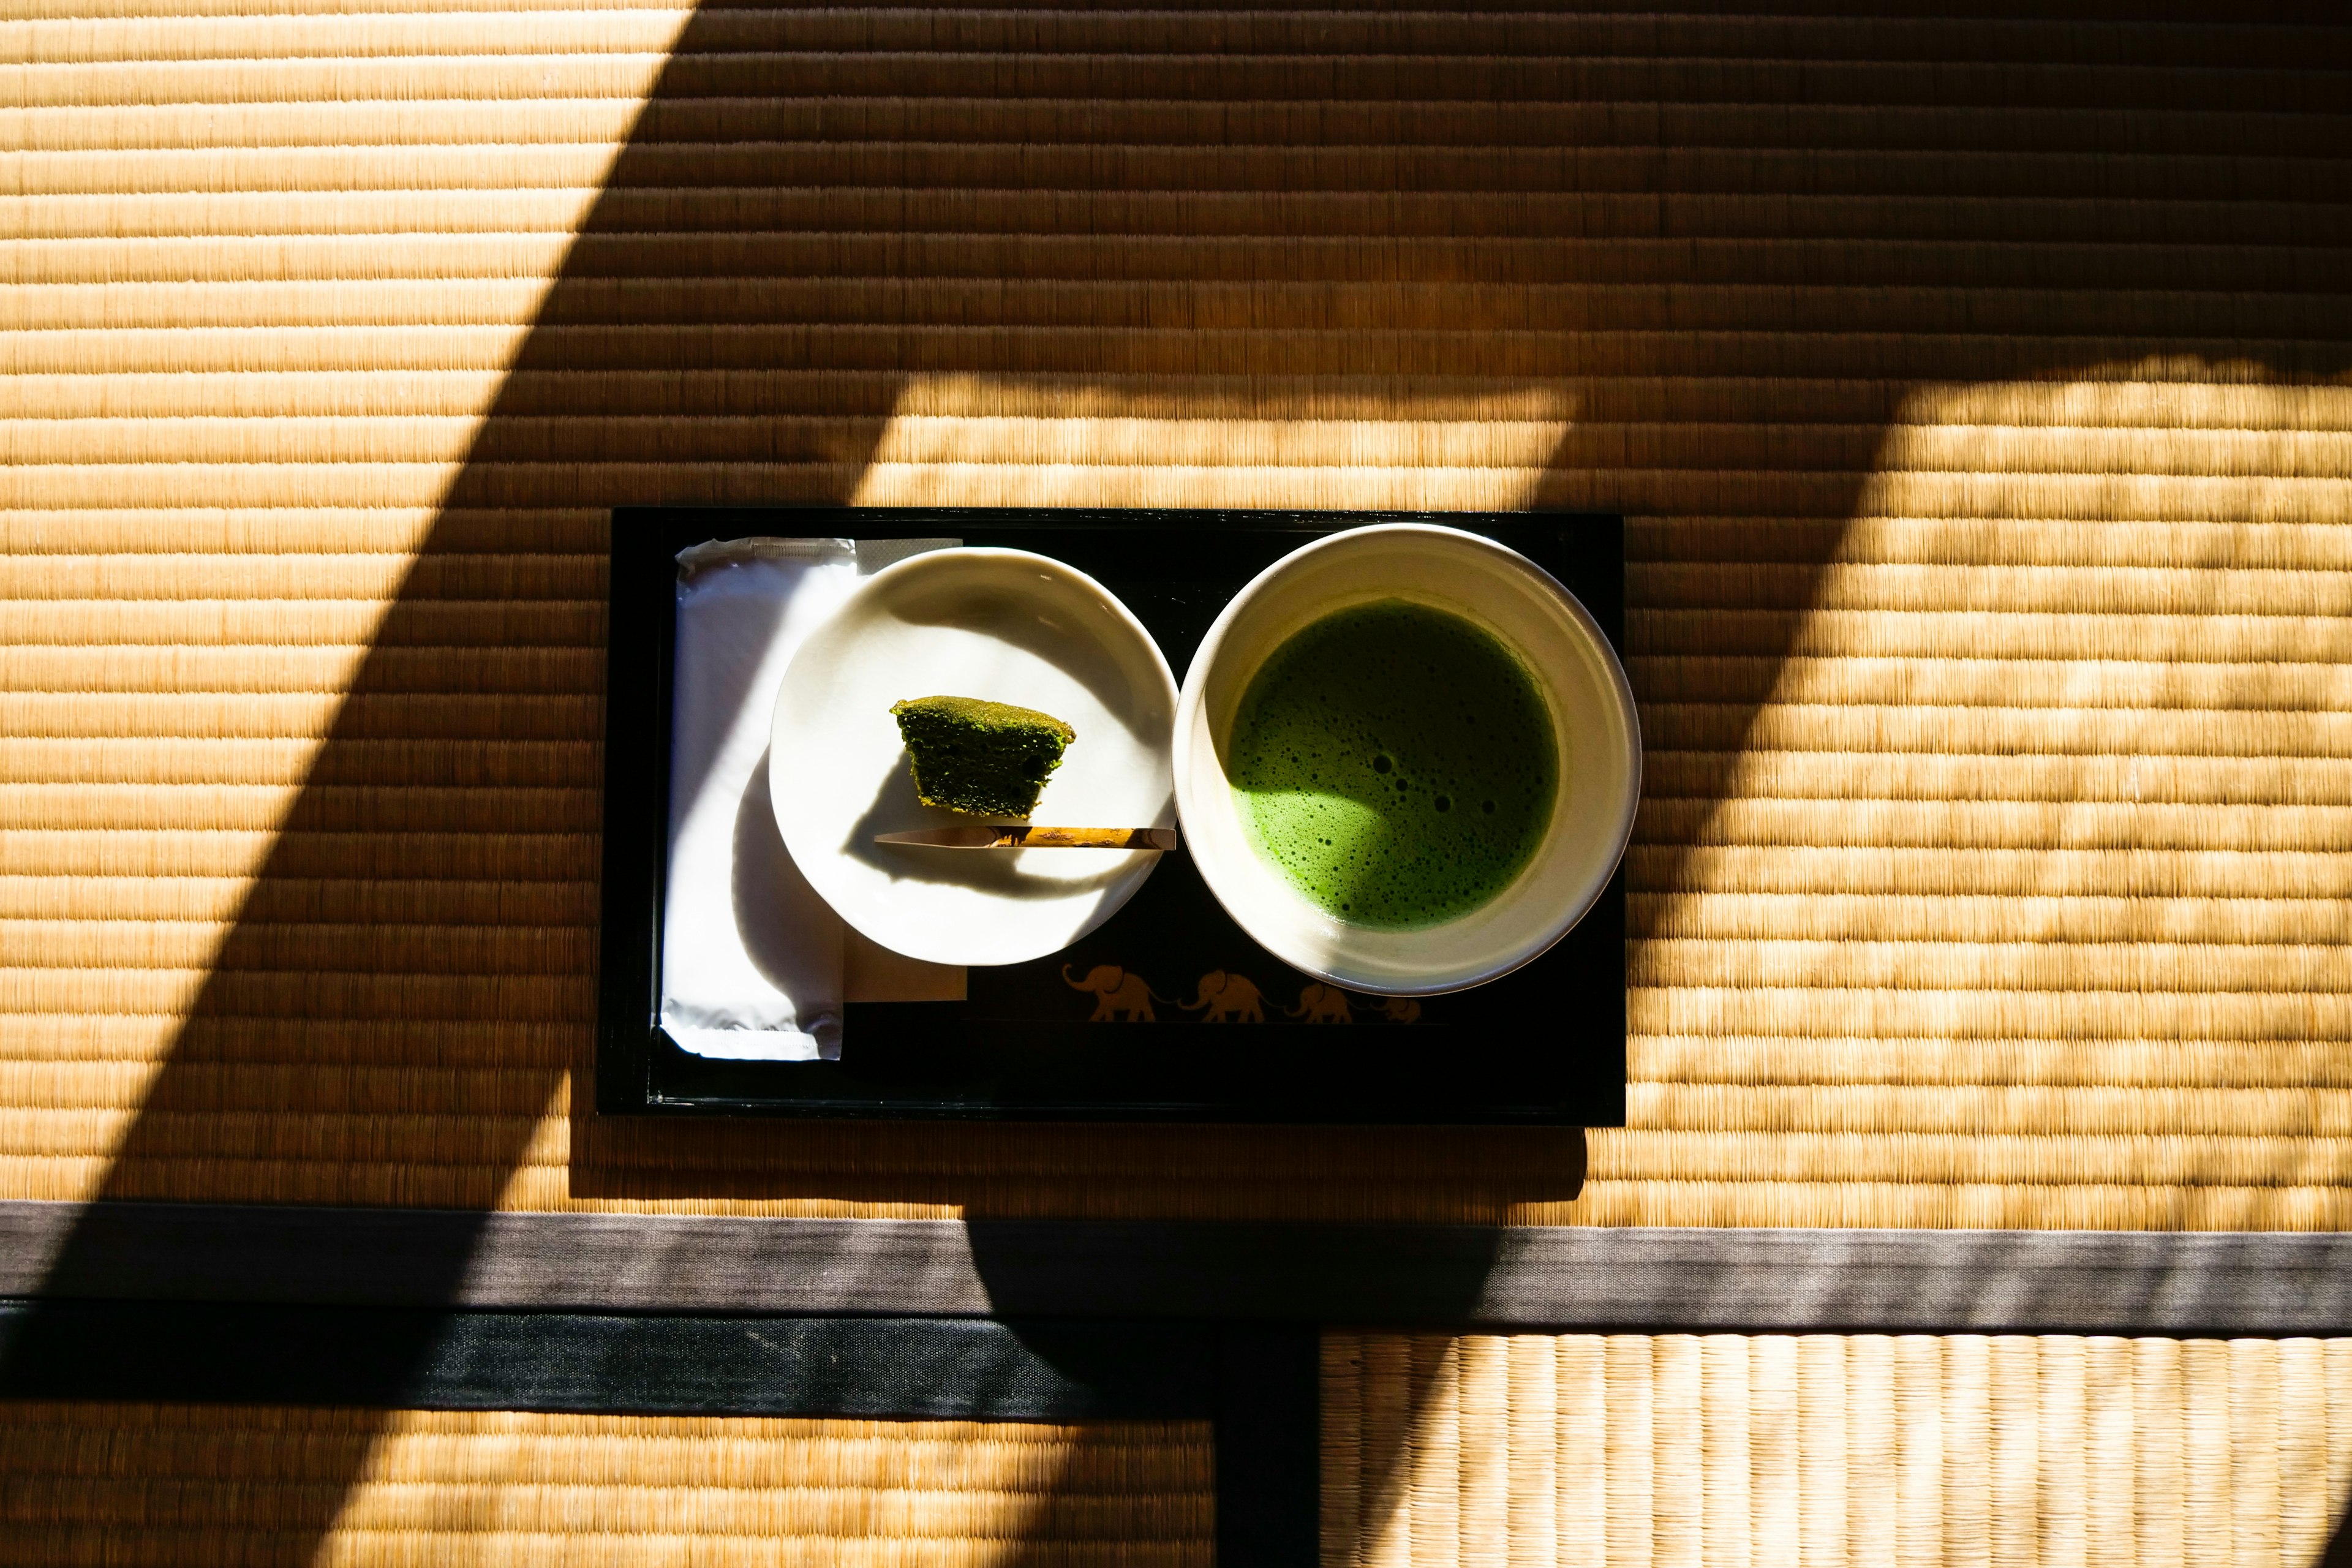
[[1637, 1450], [132, 1485], [1976, 389]]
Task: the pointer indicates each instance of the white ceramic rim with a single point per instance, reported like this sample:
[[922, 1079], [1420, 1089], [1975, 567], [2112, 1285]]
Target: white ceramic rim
[[1191, 807]]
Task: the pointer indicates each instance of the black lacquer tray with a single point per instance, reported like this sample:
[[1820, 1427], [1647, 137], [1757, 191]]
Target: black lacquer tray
[[1075, 1037]]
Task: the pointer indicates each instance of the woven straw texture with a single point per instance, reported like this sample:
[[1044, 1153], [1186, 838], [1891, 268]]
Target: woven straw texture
[[132, 1485], [1587, 1450], [1976, 387]]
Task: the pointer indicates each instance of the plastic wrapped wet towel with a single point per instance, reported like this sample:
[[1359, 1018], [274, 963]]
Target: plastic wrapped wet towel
[[753, 959]]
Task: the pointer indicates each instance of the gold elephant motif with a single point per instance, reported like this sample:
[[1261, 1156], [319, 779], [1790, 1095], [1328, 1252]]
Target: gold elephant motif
[[1228, 998], [1401, 1009], [1320, 1004], [1122, 996]]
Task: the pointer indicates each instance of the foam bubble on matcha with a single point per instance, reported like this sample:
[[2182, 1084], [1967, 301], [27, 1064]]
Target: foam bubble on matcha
[[1396, 762]]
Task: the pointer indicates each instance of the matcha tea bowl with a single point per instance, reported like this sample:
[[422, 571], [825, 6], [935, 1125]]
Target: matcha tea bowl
[[1406, 760]]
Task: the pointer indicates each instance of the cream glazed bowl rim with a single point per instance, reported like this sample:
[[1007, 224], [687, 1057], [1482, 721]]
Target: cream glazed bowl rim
[[1595, 727]]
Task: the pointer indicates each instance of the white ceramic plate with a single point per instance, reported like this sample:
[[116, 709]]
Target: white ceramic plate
[[1009, 627]]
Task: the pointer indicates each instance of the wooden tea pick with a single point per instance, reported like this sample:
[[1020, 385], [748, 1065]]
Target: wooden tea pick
[[1019, 835]]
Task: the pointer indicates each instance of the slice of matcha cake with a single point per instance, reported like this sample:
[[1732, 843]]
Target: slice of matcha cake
[[988, 759]]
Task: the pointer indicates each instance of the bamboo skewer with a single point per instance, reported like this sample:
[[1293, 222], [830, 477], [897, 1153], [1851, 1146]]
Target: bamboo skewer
[[1019, 835]]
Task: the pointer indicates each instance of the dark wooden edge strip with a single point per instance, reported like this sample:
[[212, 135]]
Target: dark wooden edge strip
[[1761, 1280], [409, 1358]]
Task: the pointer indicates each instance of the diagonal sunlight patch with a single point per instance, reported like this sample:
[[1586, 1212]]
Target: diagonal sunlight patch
[[238, 391], [991, 440], [2044, 815], [1781, 1450]]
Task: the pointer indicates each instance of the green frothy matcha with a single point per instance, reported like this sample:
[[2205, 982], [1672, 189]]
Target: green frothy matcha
[[1396, 762]]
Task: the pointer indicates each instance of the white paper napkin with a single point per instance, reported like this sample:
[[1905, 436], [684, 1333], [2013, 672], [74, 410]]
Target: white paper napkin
[[752, 960]]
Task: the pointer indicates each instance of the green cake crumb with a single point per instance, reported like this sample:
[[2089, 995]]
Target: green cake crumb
[[982, 758]]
